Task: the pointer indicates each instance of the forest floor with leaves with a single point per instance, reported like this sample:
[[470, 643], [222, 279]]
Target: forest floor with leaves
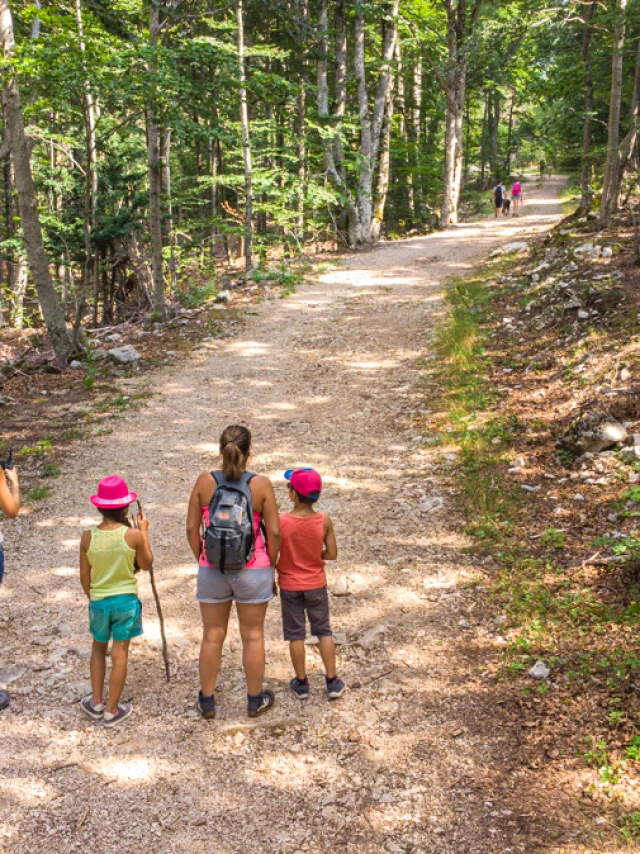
[[431, 749]]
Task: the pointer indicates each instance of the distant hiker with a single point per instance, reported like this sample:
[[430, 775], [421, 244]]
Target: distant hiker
[[109, 556], [543, 168], [516, 197], [498, 197], [549, 170], [234, 534], [506, 203], [308, 539], [10, 506]]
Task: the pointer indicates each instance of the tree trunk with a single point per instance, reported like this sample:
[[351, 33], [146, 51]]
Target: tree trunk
[[328, 160], [38, 263], [416, 135], [459, 29], [246, 146], [586, 199], [340, 27], [494, 123], [371, 125], [365, 169], [91, 183], [154, 163], [384, 170], [483, 144], [611, 185], [629, 142], [173, 274], [507, 159], [407, 204]]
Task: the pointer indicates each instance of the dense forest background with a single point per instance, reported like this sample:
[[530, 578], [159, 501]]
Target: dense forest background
[[146, 146]]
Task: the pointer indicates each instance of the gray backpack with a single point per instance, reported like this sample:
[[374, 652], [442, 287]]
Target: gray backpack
[[229, 541]]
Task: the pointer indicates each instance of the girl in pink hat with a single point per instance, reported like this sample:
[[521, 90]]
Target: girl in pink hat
[[109, 554]]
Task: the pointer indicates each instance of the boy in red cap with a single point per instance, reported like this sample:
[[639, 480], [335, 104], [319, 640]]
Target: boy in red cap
[[308, 539], [109, 554]]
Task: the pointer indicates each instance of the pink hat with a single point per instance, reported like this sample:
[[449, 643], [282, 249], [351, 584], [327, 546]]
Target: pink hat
[[113, 493], [306, 482]]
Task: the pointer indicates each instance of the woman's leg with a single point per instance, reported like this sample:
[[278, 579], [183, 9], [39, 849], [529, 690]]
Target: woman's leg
[[97, 668], [251, 619], [119, 660], [215, 618]]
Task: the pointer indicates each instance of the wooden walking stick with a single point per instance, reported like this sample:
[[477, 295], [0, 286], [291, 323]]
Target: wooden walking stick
[[165, 651]]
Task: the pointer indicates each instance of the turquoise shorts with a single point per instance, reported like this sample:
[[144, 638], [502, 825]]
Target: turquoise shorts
[[120, 616]]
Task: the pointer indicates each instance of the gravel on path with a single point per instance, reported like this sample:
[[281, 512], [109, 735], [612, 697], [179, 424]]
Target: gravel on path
[[327, 377]]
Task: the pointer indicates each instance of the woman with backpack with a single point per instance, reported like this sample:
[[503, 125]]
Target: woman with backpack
[[233, 529]]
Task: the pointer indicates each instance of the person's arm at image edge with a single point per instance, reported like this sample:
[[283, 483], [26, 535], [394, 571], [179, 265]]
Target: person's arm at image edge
[[9, 493]]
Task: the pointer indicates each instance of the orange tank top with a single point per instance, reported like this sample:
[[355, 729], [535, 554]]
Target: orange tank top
[[300, 565]]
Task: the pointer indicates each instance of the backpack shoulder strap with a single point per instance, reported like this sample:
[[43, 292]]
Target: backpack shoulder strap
[[219, 477]]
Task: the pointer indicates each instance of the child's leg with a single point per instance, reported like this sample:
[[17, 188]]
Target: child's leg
[[98, 667], [119, 660], [327, 649], [298, 658]]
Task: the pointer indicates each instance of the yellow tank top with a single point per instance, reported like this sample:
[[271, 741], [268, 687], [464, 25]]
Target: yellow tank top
[[111, 561]]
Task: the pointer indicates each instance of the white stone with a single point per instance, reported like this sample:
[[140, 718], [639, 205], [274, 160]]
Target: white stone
[[625, 375], [340, 587], [124, 355], [539, 670], [371, 637], [516, 246], [607, 252], [583, 315]]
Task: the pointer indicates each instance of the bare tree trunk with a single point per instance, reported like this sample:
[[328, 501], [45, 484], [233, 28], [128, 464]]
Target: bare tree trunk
[[246, 146], [629, 142], [586, 199], [154, 163], [91, 184], [610, 184], [340, 27], [483, 148], [416, 125], [459, 30], [371, 126], [402, 133], [494, 123], [173, 275], [328, 161], [384, 170], [9, 212], [38, 262], [365, 170], [507, 159], [20, 289]]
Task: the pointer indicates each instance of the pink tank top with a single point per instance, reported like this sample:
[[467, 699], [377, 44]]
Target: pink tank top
[[259, 559]]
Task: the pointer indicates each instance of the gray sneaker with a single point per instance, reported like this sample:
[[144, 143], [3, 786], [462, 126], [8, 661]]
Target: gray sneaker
[[94, 711], [125, 710]]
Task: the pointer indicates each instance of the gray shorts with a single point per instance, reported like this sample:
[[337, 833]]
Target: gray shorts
[[295, 603], [248, 586]]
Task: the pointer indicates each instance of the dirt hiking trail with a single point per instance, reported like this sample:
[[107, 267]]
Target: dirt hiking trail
[[413, 758]]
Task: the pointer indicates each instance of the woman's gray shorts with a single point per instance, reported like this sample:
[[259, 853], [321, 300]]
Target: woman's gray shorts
[[248, 586]]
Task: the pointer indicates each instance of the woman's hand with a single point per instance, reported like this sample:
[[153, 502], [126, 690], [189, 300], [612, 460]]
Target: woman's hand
[[142, 522], [12, 476]]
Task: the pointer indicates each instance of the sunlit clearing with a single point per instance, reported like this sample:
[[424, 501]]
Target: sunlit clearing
[[249, 348], [65, 570], [127, 770]]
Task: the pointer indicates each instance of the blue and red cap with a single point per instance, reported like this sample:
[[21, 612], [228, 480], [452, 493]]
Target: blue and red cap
[[306, 482]]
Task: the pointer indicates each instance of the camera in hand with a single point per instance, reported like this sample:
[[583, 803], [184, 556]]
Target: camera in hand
[[8, 463]]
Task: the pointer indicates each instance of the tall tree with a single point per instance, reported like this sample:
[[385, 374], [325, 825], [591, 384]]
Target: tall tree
[[28, 203], [154, 159], [611, 182], [246, 143]]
